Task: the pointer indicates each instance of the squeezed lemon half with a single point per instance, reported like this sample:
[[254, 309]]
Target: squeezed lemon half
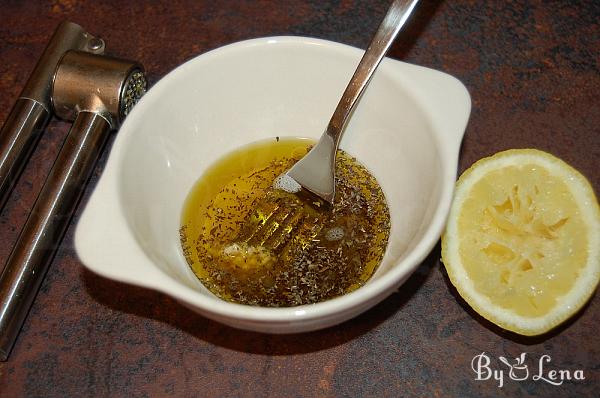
[[522, 242]]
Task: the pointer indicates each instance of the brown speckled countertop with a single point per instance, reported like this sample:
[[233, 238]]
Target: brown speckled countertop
[[532, 68]]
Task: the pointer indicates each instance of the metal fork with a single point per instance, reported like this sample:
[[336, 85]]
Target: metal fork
[[315, 172], [287, 219], [282, 220]]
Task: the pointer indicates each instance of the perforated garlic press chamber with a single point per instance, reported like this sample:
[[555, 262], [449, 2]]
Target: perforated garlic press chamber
[[96, 92]]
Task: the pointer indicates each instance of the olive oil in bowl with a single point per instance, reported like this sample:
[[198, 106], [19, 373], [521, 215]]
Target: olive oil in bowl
[[317, 252]]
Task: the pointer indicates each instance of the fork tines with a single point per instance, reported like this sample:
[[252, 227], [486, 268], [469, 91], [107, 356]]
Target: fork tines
[[280, 220]]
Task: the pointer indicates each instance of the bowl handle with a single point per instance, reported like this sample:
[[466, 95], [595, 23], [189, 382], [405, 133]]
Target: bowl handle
[[444, 99], [104, 243]]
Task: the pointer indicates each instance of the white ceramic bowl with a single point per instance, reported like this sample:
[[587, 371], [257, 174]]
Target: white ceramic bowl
[[407, 130]]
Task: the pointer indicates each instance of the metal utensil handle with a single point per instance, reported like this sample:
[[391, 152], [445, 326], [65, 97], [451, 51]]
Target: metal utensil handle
[[18, 137], [47, 223], [388, 30], [31, 112]]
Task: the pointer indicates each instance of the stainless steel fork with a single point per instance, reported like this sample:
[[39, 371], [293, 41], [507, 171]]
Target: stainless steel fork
[[282, 219], [315, 172], [288, 219]]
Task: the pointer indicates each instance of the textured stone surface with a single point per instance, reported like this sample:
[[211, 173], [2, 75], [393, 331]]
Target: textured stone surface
[[531, 67]]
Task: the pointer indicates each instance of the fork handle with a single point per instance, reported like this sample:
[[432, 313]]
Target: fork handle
[[388, 30]]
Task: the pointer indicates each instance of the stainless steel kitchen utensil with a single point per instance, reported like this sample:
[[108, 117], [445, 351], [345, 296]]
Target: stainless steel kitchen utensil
[[274, 224], [281, 220], [315, 172], [32, 109], [97, 92]]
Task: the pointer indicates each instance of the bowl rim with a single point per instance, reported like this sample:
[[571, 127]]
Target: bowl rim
[[369, 294]]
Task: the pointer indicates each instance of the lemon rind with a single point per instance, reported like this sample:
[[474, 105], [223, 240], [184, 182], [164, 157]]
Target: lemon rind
[[585, 284]]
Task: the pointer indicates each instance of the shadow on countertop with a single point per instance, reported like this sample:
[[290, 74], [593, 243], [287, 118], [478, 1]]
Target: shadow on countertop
[[150, 304]]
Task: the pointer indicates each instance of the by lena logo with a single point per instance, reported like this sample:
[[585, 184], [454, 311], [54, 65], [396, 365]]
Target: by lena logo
[[518, 370]]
